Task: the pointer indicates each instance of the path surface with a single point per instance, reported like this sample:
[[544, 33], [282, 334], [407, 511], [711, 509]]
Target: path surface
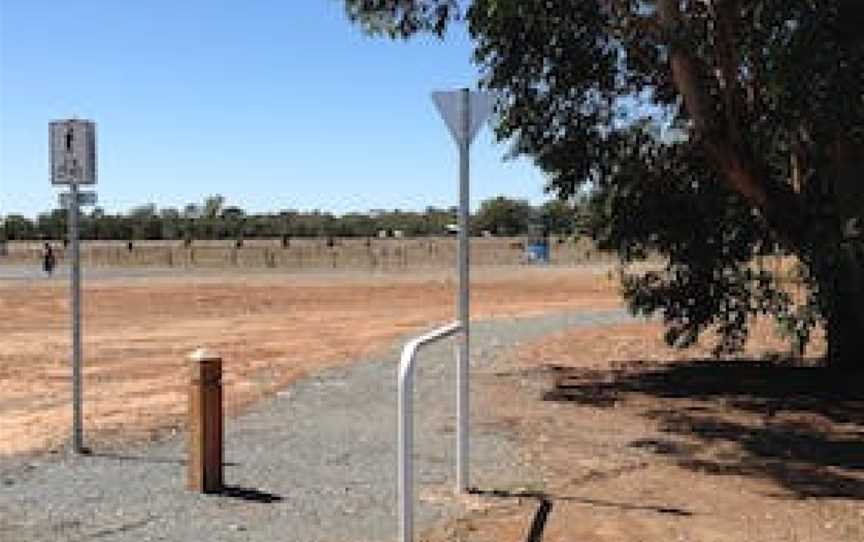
[[315, 463]]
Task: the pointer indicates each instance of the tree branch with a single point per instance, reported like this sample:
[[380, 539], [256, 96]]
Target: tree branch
[[739, 167], [686, 76], [727, 18], [685, 72]]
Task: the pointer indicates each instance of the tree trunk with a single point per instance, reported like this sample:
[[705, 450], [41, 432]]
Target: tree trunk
[[845, 315], [845, 303]]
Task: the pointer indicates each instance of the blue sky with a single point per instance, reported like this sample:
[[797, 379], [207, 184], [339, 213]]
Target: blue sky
[[272, 104]]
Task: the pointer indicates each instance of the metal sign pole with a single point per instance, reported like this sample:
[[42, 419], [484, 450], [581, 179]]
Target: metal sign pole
[[464, 112], [75, 285], [462, 400], [72, 158]]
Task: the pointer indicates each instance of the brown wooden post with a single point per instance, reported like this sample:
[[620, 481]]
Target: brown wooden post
[[205, 423]]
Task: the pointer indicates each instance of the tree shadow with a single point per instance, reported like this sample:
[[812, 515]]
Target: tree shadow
[[801, 427]]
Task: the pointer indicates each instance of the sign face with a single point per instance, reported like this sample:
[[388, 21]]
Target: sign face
[[451, 106], [84, 198], [73, 151]]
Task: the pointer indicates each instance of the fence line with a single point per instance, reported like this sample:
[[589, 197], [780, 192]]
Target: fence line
[[383, 254]]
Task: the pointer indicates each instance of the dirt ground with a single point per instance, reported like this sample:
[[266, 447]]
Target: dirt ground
[[270, 329], [631, 440], [634, 441]]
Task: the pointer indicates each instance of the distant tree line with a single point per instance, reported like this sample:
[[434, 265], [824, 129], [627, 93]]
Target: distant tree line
[[213, 219]]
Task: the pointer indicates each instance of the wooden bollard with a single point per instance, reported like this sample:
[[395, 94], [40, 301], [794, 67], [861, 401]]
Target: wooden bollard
[[205, 423]]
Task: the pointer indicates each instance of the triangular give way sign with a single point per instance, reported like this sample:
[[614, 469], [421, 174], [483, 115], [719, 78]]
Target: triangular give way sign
[[452, 105]]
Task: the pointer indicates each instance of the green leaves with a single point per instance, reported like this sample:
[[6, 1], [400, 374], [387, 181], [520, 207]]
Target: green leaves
[[403, 18], [503, 216], [554, 68], [766, 155]]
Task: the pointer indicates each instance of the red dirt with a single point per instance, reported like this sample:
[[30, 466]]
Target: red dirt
[[269, 329], [633, 441]]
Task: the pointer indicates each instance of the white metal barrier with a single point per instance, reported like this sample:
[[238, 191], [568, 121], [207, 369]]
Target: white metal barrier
[[406, 427], [463, 111]]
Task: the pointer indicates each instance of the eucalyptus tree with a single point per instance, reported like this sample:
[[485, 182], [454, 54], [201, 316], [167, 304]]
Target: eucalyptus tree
[[504, 216], [708, 131]]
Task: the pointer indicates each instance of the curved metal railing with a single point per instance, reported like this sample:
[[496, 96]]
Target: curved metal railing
[[406, 425]]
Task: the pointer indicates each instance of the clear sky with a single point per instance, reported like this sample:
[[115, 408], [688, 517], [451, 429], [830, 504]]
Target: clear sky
[[273, 104]]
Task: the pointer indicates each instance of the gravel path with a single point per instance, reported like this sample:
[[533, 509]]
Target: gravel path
[[315, 463]]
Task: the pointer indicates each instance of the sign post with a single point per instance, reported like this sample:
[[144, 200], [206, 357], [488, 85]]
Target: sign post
[[77, 414], [73, 162], [464, 112]]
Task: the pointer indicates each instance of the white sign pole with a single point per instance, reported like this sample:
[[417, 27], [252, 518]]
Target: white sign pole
[[463, 112], [463, 370], [75, 285]]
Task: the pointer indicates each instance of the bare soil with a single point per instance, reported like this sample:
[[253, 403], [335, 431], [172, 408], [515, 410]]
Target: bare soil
[[634, 441], [270, 330]]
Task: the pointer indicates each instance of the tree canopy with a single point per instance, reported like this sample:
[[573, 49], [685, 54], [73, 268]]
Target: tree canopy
[[707, 131], [213, 219], [503, 216]]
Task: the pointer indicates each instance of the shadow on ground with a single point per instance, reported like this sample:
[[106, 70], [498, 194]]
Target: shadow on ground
[[250, 494], [801, 427], [234, 492], [546, 502]]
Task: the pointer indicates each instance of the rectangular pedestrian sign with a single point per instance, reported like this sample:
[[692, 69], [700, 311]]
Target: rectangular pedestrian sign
[[72, 151]]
